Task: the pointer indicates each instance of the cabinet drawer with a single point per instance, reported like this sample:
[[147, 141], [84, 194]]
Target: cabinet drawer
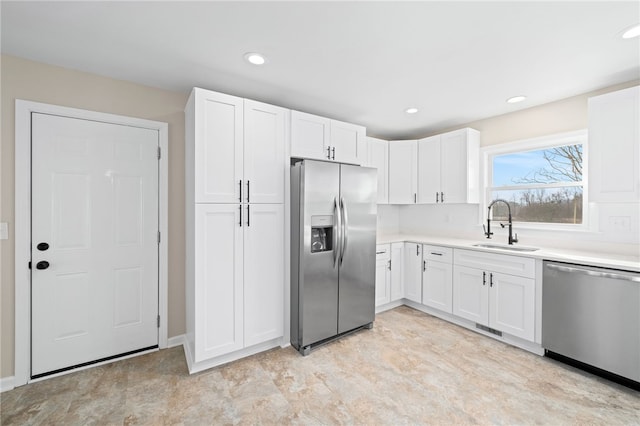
[[437, 253], [514, 265], [383, 252]]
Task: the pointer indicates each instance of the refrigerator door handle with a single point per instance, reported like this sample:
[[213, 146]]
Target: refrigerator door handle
[[345, 232], [337, 224]]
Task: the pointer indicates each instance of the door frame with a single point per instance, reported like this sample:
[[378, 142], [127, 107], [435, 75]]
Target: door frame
[[24, 109]]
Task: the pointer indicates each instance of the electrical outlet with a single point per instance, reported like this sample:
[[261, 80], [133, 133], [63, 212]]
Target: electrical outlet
[[4, 231], [620, 223]]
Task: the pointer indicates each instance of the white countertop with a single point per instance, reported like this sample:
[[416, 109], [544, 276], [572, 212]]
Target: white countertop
[[630, 263]]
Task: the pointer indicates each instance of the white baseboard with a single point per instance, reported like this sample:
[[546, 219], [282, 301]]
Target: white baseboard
[[6, 383], [174, 341]]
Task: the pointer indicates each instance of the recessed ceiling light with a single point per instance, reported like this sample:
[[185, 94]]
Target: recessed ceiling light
[[254, 58], [516, 99], [632, 32], [411, 110]]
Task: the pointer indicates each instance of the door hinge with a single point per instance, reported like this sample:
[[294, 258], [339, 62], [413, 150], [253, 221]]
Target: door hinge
[[158, 237], [158, 321], [159, 153]]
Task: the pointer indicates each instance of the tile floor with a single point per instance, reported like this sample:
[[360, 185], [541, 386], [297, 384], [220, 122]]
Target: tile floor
[[411, 368]]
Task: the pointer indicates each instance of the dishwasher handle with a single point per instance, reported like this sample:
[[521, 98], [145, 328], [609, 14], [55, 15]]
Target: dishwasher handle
[[599, 274]]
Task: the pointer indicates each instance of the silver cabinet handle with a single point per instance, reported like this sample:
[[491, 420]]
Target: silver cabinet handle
[[345, 226], [240, 186], [484, 278], [337, 223], [415, 198], [328, 153], [389, 265], [380, 252], [436, 254], [437, 200], [248, 190], [424, 265], [417, 249], [442, 197], [591, 273], [240, 222], [248, 215], [333, 153], [490, 279]]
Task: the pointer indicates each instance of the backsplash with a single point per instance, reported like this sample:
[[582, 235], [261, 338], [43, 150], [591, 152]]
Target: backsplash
[[615, 228]]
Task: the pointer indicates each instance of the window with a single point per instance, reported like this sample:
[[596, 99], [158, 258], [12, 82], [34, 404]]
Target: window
[[542, 180]]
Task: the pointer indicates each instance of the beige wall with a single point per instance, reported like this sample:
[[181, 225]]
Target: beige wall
[[22, 79], [557, 117]]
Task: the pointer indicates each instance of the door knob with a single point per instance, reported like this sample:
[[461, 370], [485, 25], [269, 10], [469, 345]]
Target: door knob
[[42, 246], [43, 264]]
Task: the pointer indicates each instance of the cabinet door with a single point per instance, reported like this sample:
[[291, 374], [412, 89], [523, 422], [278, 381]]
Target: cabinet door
[[460, 175], [310, 136], [378, 157], [413, 272], [397, 271], [383, 274], [429, 170], [218, 147], [264, 160], [349, 142], [403, 172], [614, 146], [218, 289], [471, 294], [263, 272], [437, 285], [512, 305]]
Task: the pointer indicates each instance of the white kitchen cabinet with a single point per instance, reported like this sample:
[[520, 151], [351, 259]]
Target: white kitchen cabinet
[[216, 320], [378, 157], [383, 274], [495, 290], [263, 273], [448, 167], [403, 172], [322, 138], [397, 271], [234, 232], [238, 148], [264, 152], [437, 277], [389, 273], [413, 272], [614, 146]]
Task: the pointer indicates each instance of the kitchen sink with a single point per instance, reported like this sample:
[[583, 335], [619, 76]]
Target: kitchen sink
[[506, 247]]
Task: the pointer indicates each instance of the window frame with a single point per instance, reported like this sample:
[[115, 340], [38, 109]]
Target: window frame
[[544, 142]]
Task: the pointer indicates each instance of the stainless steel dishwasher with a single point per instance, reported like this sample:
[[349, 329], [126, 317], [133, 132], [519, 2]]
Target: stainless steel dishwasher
[[592, 315]]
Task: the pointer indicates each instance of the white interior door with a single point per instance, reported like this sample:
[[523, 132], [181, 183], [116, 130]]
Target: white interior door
[[94, 288]]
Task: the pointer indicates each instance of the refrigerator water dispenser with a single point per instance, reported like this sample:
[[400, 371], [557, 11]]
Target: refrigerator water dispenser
[[321, 233]]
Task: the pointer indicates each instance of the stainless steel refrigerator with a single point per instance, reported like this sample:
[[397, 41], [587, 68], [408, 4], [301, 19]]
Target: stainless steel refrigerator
[[333, 238]]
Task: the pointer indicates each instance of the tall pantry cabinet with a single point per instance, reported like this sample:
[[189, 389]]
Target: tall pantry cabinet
[[235, 169]]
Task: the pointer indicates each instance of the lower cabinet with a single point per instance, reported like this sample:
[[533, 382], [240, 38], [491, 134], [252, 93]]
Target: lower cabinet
[[437, 277], [235, 295], [389, 273], [383, 274], [495, 290], [413, 272]]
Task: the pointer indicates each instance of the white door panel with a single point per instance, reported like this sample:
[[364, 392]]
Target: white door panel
[[218, 159], [218, 266], [471, 294], [95, 202], [263, 273], [264, 160]]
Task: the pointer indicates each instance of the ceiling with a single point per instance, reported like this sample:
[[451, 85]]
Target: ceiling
[[362, 62]]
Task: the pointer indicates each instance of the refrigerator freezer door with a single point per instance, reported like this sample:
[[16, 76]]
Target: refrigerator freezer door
[[356, 301], [318, 274]]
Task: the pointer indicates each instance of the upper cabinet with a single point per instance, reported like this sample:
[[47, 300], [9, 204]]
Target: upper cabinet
[[614, 146], [403, 172], [448, 167], [237, 151], [378, 157], [325, 139]]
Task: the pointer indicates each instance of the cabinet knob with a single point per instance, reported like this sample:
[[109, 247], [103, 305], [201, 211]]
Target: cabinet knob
[[43, 264]]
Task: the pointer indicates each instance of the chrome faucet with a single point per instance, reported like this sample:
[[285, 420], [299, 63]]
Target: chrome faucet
[[487, 230]]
